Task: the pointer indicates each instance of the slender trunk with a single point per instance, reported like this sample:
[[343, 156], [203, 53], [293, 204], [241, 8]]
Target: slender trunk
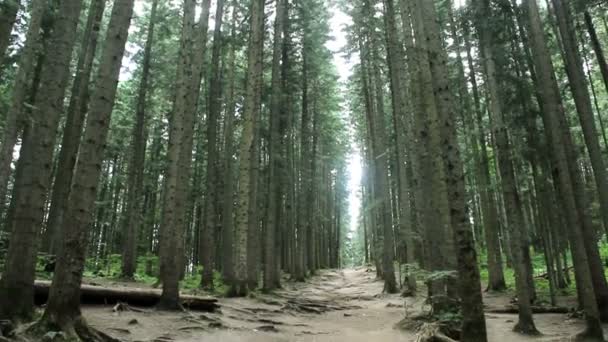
[[496, 278], [303, 222], [135, 181], [207, 235], [513, 204], [228, 190], [401, 109]]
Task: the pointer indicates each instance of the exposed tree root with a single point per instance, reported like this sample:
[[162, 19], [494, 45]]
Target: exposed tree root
[[431, 332], [429, 329], [73, 330], [316, 306]]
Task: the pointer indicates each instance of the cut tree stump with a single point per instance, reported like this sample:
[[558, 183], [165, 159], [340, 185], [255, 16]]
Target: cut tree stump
[[141, 297]]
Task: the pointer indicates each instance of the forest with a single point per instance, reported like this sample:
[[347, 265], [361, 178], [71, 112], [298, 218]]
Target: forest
[[318, 170]]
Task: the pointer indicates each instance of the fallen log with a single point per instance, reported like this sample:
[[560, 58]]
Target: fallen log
[[90, 294], [535, 309]]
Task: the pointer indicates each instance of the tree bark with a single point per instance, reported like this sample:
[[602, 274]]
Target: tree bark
[[228, 190], [179, 165], [275, 189], [473, 326], [491, 223], [16, 295], [135, 181], [16, 117], [207, 236], [72, 132], [63, 309], [239, 286], [580, 92], [564, 155], [513, 205], [8, 16]]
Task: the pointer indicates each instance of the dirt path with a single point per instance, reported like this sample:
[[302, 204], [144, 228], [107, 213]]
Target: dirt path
[[333, 306]]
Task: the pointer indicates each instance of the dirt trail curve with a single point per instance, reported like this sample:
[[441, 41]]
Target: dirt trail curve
[[344, 306]]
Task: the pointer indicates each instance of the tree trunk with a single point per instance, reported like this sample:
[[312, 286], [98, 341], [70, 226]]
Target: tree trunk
[[401, 113], [135, 181], [228, 190], [473, 327], [16, 117], [601, 61], [275, 189], [72, 132], [177, 174], [16, 295], [496, 278], [513, 205], [433, 202], [8, 17], [239, 286], [580, 92], [63, 309], [564, 155], [377, 125], [171, 223], [207, 236], [303, 221]]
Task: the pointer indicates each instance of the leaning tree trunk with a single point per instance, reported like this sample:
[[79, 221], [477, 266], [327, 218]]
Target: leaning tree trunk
[[16, 295], [63, 308], [135, 180], [72, 131], [564, 155], [603, 64], [580, 92], [16, 116]]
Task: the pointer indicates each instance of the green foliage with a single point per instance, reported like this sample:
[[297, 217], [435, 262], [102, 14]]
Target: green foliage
[[109, 269], [193, 281]]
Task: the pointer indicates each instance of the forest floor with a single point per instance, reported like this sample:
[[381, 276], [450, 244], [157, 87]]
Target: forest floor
[[338, 305]]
